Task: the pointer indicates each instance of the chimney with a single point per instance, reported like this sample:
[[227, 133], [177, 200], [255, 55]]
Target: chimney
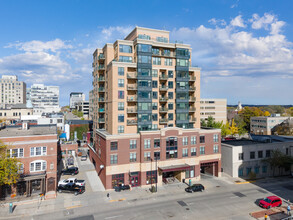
[[25, 126]]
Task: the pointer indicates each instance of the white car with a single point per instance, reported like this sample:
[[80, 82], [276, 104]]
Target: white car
[[72, 180]]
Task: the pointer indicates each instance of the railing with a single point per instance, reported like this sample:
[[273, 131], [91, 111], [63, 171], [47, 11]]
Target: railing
[[132, 122], [101, 120], [101, 89], [163, 99], [163, 109], [101, 56], [192, 119], [192, 78], [100, 79], [192, 109], [101, 99], [163, 77], [101, 110], [163, 88], [164, 121], [130, 87], [132, 98], [131, 75], [192, 99], [101, 67], [131, 110], [192, 88]]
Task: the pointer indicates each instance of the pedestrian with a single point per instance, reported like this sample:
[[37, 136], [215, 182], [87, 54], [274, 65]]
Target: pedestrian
[[266, 216], [288, 209], [108, 195]]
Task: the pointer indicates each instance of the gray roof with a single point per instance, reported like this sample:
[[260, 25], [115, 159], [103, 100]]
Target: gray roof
[[14, 131]]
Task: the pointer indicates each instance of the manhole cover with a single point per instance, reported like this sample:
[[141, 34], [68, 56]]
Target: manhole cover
[[218, 186], [187, 208]]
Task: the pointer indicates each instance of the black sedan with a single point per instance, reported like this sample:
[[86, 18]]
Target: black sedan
[[70, 171], [121, 187], [71, 188], [194, 188]]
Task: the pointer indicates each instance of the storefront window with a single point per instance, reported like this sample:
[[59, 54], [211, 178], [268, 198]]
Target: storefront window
[[151, 177], [117, 179], [189, 173]]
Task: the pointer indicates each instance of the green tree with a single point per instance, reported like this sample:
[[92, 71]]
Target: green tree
[[8, 167], [203, 123], [225, 129], [247, 112]]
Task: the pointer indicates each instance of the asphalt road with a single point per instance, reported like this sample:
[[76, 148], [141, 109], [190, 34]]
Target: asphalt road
[[225, 202]]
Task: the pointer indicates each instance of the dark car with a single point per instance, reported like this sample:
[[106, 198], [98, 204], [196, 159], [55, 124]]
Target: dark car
[[271, 201], [121, 187], [194, 188], [70, 171], [71, 188]]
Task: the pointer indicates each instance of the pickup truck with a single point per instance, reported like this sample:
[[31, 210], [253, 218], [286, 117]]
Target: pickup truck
[[71, 180], [71, 188]]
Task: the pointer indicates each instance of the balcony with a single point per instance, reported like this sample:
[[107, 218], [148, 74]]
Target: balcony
[[163, 121], [163, 77], [101, 100], [101, 120], [163, 110], [101, 67], [131, 75], [192, 119], [131, 110], [163, 88], [192, 99], [102, 89], [101, 110], [101, 79], [131, 87], [192, 78], [131, 98], [132, 122], [163, 99], [101, 56], [192, 109], [192, 88]]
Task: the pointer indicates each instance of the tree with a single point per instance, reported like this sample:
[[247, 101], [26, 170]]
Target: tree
[[233, 128], [8, 167], [203, 123], [225, 130], [266, 113], [247, 112]]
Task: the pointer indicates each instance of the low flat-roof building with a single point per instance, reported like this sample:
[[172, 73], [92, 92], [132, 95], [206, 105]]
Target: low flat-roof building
[[14, 112], [263, 125], [35, 147], [242, 157]]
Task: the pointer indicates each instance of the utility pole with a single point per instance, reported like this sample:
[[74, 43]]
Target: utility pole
[[156, 173]]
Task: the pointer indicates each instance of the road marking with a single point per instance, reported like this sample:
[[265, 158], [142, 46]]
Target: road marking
[[75, 206], [117, 200], [116, 216], [246, 182], [233, 197]]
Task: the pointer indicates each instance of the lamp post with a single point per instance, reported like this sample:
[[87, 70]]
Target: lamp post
[[156, 173]]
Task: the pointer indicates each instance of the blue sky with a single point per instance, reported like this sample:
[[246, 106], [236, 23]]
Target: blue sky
[[244, 47]]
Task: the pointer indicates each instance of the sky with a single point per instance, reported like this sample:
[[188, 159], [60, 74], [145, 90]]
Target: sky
[[243, 47]]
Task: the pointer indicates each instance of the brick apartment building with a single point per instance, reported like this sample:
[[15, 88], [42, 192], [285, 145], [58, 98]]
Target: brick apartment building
[[35, 147], [146, 113]]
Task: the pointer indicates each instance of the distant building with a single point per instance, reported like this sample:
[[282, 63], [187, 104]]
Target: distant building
[[75, 97], [12, 90], [217, 108], [14, 112], [241, 157], [83, 106], [262, 125], [44, 99], [35, 147], [285, 128]]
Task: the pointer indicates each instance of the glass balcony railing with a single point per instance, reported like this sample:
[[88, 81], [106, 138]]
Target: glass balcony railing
[[132, 87], [163, 88], [163, 77], [131, 75], [101, 120], [163, 99], [132, 98], [164, 121], [164, 109], [132, 122], [101, 89], [101, 110], [131, 110], [101, 56]]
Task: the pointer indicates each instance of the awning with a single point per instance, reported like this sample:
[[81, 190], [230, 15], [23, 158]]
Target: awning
[[63, 135], [175, 168]]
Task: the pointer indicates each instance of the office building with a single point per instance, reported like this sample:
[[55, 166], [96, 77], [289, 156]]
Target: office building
[[146, 108], [263, 125], [217, 108], [83, 106], [75, 97], [12, 91], [44, 99]]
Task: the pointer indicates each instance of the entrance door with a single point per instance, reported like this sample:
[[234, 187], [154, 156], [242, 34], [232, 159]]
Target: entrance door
[[134, 179]]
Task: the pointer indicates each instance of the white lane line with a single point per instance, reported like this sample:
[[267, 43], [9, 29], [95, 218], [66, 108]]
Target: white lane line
[[113, 216], [233, 197]]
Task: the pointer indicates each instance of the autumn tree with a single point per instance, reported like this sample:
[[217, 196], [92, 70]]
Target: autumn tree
[[225, 129], [233, 128], [8, 166], [247, 112]]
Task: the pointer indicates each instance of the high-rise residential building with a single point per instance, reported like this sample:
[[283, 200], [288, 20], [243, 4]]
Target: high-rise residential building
[[75, 97], [12, 91], [217, 108], [91, 104], [44, 99], [146, 113]]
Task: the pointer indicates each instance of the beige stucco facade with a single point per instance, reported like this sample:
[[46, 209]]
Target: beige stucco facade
[[217, 108]]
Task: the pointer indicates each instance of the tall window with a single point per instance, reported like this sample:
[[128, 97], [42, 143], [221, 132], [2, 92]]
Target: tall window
[[125, 48], [193, 140], [155, 73], [125, 59], [184, 152], [193, 151], [252, 155], [114, 145], [157, 155], [155, 106], [168, 62], [155, 84], [120, 82], [17, 152], [170, 95], [120, 105], [132, 157], [185, 141], [155, 95], [156, 143], [132, 144], [121, 129], [38, 165], [120, 94], [170, 74], [147, 156], [156, 61], [170, 116], [202, 139], [151, 177], [240, 156], [170, 106], [121, 71], [147, 143], [113, 159], [216, 149], [201, 150], [216, 138], [38, 151], [170, 85], [155, 117], [144, 59], [260, 154], [120, 117], [268, 153]]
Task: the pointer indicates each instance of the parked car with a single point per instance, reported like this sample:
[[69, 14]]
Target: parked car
[[71, 188], [269, 202], [194, 188], [83, 157], [121, 187], [72, 180], [70, 171]]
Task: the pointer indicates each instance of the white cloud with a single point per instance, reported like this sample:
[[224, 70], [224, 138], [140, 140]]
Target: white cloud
[[118, 32], [237, 22], [262, 22]]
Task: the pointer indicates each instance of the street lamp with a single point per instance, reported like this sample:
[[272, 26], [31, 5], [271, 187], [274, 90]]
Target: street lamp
[[156, 173]]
